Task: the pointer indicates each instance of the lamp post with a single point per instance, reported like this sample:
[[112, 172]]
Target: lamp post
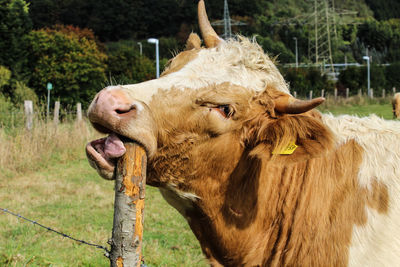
[[155, 41], [297, 61], [140, 47], [368, 77]]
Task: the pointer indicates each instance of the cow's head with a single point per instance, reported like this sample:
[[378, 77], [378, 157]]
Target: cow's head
[[210, 101]]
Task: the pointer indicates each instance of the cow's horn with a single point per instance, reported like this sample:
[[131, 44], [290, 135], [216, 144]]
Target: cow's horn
[[210, 37], [290, 105]]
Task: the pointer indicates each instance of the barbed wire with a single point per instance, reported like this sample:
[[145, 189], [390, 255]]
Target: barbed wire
[[107, 252]]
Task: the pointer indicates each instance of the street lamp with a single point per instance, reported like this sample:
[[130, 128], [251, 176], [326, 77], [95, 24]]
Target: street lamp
[[155, 41], [297, 61], [367, 59], [140, 47]]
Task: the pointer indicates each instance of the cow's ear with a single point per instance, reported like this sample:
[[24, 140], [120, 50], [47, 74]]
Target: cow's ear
[[193, 42], [287, 137]]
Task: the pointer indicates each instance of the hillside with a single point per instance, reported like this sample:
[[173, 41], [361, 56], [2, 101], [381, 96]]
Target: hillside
[[119, 19]]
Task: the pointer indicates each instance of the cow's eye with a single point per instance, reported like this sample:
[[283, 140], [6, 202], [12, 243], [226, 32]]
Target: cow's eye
[[226, 110]]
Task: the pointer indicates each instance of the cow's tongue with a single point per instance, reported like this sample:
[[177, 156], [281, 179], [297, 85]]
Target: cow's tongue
[[113, 147]]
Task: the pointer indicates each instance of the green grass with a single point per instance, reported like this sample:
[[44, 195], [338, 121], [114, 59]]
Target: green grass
[[382, 108], [70, 197]]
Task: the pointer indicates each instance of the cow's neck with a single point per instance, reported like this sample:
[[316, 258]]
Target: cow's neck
[[247, 210], [277, 215]]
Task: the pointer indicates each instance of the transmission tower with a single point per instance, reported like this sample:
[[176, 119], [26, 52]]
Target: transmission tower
[[227, 22], [320, 44], [322, 18]]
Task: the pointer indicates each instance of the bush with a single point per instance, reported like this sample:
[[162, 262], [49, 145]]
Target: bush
[[23, 92], [302, 80], [355, 78], [126, 65], [70, 61], [10, 116], [392, 75], [5, 75]]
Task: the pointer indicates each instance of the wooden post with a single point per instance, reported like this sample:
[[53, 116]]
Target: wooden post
[[359, 92], [383, 93], [335, 93], [371, 93], [127, 233], [295, 94], [323, 93], [28, 105], [79, 112], [311, 93], [347, 92], [56, 112], [394, 90]]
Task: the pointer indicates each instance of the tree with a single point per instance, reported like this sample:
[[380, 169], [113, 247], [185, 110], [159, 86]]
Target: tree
[[74, 65], [276, 49], [384, 9], [14, 25]]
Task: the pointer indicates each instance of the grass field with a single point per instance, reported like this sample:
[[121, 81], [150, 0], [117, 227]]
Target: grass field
[[70, 197], [57, 188], [382, 109]]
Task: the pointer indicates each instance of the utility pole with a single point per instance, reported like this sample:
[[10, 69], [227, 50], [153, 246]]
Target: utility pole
[[297, 59], [156, 41]]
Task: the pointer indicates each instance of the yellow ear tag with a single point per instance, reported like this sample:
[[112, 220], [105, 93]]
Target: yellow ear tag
[[288, 150]]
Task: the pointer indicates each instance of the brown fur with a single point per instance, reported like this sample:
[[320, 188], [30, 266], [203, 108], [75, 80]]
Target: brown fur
[[180, 61], [255, 208], [193, 42]]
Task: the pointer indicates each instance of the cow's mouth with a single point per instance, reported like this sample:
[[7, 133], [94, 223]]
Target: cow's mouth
[[106, 151]]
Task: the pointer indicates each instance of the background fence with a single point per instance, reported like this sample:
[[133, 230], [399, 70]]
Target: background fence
[[335, 94], [29, 113]]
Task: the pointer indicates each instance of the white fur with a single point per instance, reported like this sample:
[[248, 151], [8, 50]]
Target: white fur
[[241, 63], [181, 201], [378, 242]]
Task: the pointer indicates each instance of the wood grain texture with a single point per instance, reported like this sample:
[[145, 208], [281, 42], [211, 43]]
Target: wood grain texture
[[127, 234]]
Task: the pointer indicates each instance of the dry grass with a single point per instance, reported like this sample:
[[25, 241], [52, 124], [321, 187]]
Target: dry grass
[[22, 150]]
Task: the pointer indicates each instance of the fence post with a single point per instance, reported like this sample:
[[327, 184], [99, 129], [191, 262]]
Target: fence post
[[295, 94], [394, 90], [56, 119], [311, 93], [79, 112], [323, 93], [360, 92], [383, 93], [347, 93], [127, 233], [371, 92], [335, 93], [28, 106]]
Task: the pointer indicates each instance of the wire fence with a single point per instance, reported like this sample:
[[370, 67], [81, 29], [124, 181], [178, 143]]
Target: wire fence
[[29, 114], [106, 250], [106, 253]]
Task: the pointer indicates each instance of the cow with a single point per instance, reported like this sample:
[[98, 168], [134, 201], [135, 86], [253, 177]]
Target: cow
[[262, 178], [396, 106]]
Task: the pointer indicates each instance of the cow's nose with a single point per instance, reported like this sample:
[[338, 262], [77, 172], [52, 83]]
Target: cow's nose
[[111, 105], [113, 102]]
